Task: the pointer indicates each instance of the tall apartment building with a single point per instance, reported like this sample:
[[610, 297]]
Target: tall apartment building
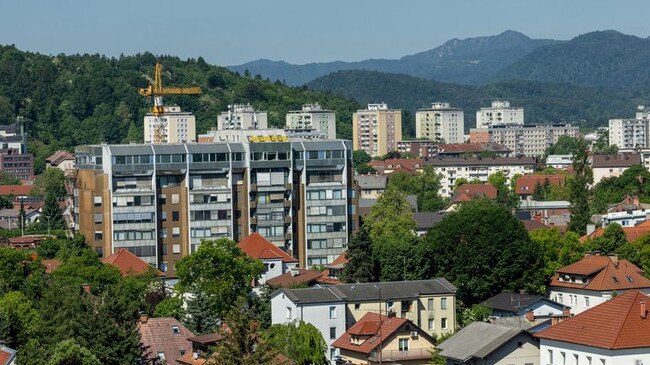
[[313, 117], [377, 129], [630, 132], [159, 201], [242, 116], [174, 126], [440, 123], [499, 113], [524, 140]]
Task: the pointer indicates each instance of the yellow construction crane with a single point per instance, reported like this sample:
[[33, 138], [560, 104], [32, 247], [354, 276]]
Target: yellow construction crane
[[157, 90]]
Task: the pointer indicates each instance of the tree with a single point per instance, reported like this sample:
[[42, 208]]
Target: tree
[[360, 157], [565, 145], [220, 270], [170, 307], [6, 179], [504, 194], [557, 249], [579, 189], [468, 247], [476, 313], [21, 217], [52, 181], [133, 134], [19, 320], [52, 217], [361, 267], [299, 341], [611, 241], [428, 198], [69, 352]]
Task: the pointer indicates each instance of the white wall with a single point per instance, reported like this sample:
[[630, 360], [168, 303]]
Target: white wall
[[451, 173], [577, 298], [603, 172], [598, 356]]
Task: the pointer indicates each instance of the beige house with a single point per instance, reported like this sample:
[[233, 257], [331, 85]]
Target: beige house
[[371, 186], [378, 339]]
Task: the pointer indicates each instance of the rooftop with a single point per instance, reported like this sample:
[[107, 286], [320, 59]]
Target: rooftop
[[16, 190], [7, 355], [426, 220], [526, 184], [478, 340], [631, 233], [459, 148], [605, 273], [258, 247], [299, 277], [514, 302], [467, 192], [128, 263], [619, 160], [164, 335], [620, 323], [372, 181]]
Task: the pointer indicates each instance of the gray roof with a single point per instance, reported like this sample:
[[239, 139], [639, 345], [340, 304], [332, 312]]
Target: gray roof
[[372, 181], [620, 160], [478, 340], [130, 149], [359, 292], [514, 302], [424, 220], [170, 148], [519, 322]]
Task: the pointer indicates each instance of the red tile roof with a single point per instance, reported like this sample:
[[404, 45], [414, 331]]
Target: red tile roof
[[468, 192], [58, 157], [526, 184], [615, 324], [605, 273], [303, 277], [6, 356], [16, 190], [50, 265], [339, 262], [166, 335], [259, 247], [631, 233], [531, 225], [398, 164], [128, 263]]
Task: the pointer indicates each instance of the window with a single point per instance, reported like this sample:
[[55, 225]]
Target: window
[[403, 344], [161, 356], [175, 198], [98, 235], [176, 248], [575, 357], [332, 354], [586, 301], [163, 216], [99, 218], [357, 306], [176, 232], [175, 330], [176, 216], [332, 312], [443, 323], [432, 323], [562, 358], [550, 356], [288, 312], [332, 333], [98, 201], [443, 303], [588, 360], [430, 304], [602, 362]]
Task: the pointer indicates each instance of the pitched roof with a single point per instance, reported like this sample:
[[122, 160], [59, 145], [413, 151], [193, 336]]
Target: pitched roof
[[128, 263], [466, 192], [339, 261], [631, 233], [50, 265], [478, 161], [166, 335], [619, 160], [605, 273], [531, 224], [398, 164], [377, 327], [372, 181], [58, 157], [614, 324], [258, 247], [7, 355], [17, 190], [526, 184], [478, 339], [426, 220], [513, 302], [295, 277]]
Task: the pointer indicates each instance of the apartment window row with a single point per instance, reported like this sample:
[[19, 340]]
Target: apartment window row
[[266, 198], [177, 158], [208, 232], [271, 177], [209, 198], [326, 227], [132, 159], [272, 215], [588, 360], [272, 231], [133, 218], [209, 181], [214, 157], [132, 201], [317, 260], [270, 156], [133, 235], [210, 215], [132, 183], [326, 211], [325, 194], [323, 155], [142, 251]]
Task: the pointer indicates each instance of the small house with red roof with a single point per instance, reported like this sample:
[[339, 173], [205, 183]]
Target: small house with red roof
[[276, 261], [163, 340], [616, 332], [379, 338], [527, 184], [594, 280], [468, 192], [62, 160], [128, 263]]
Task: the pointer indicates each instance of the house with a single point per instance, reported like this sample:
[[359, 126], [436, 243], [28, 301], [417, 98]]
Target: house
[[371, 186], [17, 191], [593, 280], [276, 261], [527, 184], [366, 204], [379, 338], [631, 233], [336, 267], [559, 161], [302, 278], [128, 263], [616, 332], [627, 213], [425, 220], [468, 192], [532, 225], [388, 166], [518, 305], [429, 304], [163, 340], [490, 343], [604, 166], [62, 160], [7, 355], [9, 217], [28, 241], [550, 213], [50, 265]]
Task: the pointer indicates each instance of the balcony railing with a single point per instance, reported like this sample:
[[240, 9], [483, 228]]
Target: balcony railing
[[396, 355]]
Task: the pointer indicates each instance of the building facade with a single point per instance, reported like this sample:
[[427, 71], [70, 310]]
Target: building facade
[[313, 116], [604, 166], [498, 114], [630, 132], [525, 140], [174, 126], [17, 164], [440, 123], [242, 116], [377, 129], [160, 201], [417, 148]]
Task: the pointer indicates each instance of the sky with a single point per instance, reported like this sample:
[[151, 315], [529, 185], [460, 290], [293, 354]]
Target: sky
[[227, 32]]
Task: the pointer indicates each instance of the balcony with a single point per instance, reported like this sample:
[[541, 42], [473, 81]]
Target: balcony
[[396, 355]]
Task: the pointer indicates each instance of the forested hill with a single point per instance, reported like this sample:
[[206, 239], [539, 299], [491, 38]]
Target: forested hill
[[605, 58], [543, 102], [68, 100]]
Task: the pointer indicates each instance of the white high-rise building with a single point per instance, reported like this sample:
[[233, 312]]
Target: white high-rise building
[[174, 126], [376, 129], [630, 132], [242, 116], [440, 123], [313, 117], [500, 113]]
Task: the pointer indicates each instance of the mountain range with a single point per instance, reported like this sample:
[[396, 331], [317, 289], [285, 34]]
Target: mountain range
[[466, 61]]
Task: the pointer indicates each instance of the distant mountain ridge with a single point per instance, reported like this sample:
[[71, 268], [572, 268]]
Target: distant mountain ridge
[[465, 61]]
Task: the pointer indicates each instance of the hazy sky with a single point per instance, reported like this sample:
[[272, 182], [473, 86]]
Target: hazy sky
[[297, 31]]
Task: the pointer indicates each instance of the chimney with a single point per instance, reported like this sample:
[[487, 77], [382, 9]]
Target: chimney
[[642, 310], [590, 229], [530, 316], [614, 259], [566, 312], [144, 318], [86, 288]]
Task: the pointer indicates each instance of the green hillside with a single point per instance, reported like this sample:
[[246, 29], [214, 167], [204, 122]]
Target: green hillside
[[68, 100]]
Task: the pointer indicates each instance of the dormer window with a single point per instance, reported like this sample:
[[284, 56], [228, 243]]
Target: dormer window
[[176, 330], [629, 279]]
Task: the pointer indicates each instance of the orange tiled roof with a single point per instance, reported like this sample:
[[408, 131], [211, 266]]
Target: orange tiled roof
[[526, 184], [128, 263], [605, 273], [339, 262], [50, 265], [383, 327], [468, 192], [18, 190], [5, 357], [259, 247], [615, 324], [631, 233], [166, 335]]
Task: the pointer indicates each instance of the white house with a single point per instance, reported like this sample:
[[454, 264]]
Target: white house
[[321, 307], [604, 166], [593, 280], [559, 161], [276, 262], [614, 333]]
